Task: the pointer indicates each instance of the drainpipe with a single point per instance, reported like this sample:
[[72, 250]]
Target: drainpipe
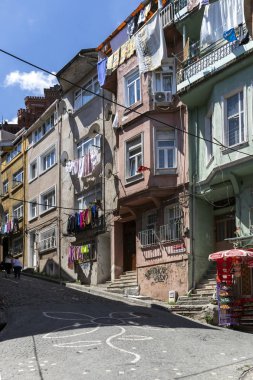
[[103, 163], [59, 126], [24, 203]]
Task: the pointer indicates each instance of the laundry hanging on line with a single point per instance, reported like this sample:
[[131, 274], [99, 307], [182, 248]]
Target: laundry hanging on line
[[84, 166], [88, 218]]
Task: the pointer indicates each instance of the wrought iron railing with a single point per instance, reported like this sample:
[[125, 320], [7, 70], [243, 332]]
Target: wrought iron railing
[[205, 60], [48, 243], [165, 233], [169, 12]]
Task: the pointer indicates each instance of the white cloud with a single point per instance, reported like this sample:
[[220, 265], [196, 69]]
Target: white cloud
[[34, 81], [14, 120]]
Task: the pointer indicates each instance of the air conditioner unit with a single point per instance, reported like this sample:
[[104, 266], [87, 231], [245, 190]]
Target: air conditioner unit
[[162, 98]]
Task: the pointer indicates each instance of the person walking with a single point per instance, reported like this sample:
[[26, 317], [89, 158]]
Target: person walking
[[7, 265], [17, 266]]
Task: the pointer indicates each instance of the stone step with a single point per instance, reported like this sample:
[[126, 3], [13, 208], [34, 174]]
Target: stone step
[[125, 281], [187, 313], [198, 301], [126, 278], [203, 292], [206, 286], [130, 272], [194, 297], [115, 290], [122, 286], [208, 281], [179, 308]]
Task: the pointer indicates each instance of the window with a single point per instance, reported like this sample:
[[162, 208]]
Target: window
[[87, 93], [5, 187], [172, 230], [18, 211], [17, 178], [84, 201], [17, 246], [13, 153], [84, 146], [234, 120], [163, 81], [47, 239], [209, 137], [48, 160], [6, 217], [133, 91], [33, 209], [225, 227], [47, 200], [165, 150], [33, 170], [133, 156], [44, 129]]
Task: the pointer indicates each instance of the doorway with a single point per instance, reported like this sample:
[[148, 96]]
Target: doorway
[[5, 247], [129, 246]]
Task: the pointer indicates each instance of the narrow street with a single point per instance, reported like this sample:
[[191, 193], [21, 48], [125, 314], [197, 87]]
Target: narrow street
[[58, 333]]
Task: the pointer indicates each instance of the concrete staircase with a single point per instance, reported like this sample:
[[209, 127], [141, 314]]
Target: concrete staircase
[[192, 306], [126, 284]]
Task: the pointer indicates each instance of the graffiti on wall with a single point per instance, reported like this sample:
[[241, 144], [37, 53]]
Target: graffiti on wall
[[159, 274]]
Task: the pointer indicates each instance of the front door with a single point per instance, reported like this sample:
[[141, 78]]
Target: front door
[[129, 246]]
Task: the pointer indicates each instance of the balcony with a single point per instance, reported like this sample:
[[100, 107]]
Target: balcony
[[173, 11], [168, 233], [206, 62]]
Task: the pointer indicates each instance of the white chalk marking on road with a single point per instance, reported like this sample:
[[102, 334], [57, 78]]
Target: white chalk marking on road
[[121, 372], [30, 366], [156, 369], [175, 369], [235, 359], [78, 344], [79, 352], [108, 342], [133, 369], [20, 370], [108, 370], [8, 279], [30, 361], [85, 373], [178, 373], [42, 364], [213, 373], [135, 337], [222, 353], [46, 314], [53, 363], [32, 369], [49, 335], [164, 351], [45, 361], [20, 363], [242, 357]]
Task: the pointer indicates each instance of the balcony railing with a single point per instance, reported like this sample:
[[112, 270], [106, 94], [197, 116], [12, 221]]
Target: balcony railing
[[48, 243], [168, 14], [206, 59], [165, 233]]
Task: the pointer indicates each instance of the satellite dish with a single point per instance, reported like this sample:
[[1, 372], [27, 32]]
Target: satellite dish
[[64, 158], [94, 130], [108, 170], [107, 111], [62, 107]]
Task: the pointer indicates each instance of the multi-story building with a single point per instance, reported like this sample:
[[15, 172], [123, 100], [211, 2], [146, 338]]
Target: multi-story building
[[13, 177], [150, 226], [42, 189], [87, 192], [215, 82]]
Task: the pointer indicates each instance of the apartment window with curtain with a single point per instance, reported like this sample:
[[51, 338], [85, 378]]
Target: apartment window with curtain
[[235, 131], [47, 200], [133, 88], [134, 157], [86, 93], [17, 178], [165, 150], [48, 160], [173, 223], [33, 209], [18, 211]]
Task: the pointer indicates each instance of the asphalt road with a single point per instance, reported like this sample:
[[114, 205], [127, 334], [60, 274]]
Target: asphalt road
[[58, 333]]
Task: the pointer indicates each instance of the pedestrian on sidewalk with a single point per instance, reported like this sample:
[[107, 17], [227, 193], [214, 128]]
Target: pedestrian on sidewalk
[[17, 266], [7, 265]]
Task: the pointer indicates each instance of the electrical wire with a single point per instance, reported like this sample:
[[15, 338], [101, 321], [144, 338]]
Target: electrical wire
[[121, 105]]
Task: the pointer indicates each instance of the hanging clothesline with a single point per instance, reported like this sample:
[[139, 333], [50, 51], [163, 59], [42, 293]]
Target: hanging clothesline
[[85, 165]]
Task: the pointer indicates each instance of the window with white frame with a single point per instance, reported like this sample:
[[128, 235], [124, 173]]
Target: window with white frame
[[18, 211], [133, 88], [235, 132], [47, 200], [172, 230], [88, 92], [16, 150], [165, 150], [209, 137], [134, 156], [162, 81], [18, 178], [17, 246], [48, 160], [33, 209], [33, 170], [47, 239], [84, 146], [40, 132], [83, 201], [148, 235], [5, 186]]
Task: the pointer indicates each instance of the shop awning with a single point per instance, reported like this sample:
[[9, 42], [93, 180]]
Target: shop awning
[[230, 253]]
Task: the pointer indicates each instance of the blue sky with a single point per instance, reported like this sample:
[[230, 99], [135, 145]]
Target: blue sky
[[49, 33]]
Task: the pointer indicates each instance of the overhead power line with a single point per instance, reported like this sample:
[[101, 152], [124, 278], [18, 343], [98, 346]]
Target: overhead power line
[[123, 106]]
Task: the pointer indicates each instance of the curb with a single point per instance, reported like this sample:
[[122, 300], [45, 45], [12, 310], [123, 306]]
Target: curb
[[3, 319]]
